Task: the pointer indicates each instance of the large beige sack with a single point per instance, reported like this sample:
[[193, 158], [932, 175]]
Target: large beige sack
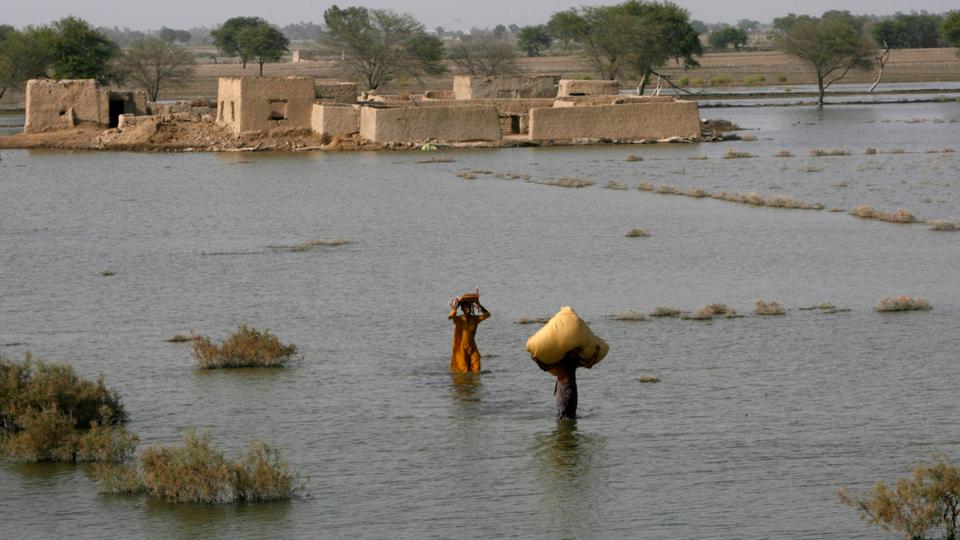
[[564, 332]]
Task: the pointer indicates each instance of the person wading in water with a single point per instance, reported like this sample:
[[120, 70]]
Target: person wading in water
[[465, 358], [565, 390]]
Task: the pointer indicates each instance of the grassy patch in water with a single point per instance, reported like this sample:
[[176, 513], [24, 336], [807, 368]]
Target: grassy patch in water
[[629, 315], [664, 311], [761, 307], [199, 473], [569, 183], [247, 347], [868, 212], [637, 233], [902, 303], [944, 225], [615, 186], [48, 413], [737, 154]]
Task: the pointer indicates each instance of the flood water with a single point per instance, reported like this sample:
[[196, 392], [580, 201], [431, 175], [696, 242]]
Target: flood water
[[755, 424]]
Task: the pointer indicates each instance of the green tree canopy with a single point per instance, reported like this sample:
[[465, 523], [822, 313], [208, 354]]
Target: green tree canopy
[[151, 63], [832, 45], [913, 31], [380, 44], [534, 39], [81, 52], [727, 36], [24, 55], [950, 28], [566, 26], [261, 43], [225, 37], [636, 38]]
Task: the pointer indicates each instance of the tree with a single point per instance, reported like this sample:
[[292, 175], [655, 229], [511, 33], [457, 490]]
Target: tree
[[636, 38], [24, 55], [832, 45], [535, 39], [261, 43], [699, 26], [950, 28], [913, 31], [748, 25], [152, 63], [500, 31], [484, 55], [80, 52], [225, 37], [173, 36], [930, 498], [565, 26], [730, 35], [380, 44]]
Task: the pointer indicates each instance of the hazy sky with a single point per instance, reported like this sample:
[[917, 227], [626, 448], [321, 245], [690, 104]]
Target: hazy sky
[[451, 14]]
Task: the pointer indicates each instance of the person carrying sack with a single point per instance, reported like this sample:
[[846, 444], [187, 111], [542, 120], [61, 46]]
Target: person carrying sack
[[464, 356]]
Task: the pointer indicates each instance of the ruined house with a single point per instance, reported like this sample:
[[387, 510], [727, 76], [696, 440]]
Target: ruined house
[[250, 104], [63, 104], [572, 87], [473, 87]]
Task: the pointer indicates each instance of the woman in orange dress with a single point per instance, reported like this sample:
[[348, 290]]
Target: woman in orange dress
[[465, 358]]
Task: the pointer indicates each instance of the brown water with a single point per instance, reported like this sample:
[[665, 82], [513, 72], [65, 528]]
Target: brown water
[[756, 423]]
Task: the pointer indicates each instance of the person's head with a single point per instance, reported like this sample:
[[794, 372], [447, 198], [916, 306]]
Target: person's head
[[466, 307]]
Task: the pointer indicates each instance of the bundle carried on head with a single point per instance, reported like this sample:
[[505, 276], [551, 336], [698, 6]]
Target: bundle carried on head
[[468, 298], [563, 333]]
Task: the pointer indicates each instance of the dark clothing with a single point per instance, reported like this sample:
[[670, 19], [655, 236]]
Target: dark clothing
[[566, 396]]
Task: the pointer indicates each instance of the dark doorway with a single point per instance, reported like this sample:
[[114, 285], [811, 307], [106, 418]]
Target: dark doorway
[[116, 109], [515, 124]]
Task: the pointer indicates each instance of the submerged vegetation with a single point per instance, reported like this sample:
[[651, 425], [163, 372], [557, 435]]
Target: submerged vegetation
[[569, 183], [247, 347], [868, 212], [762, 307], [637, 233], [710, 311], [311, 244], [49, 413], [944, 225], [902, 303], [199, 473], [629, 315], [664, 311]]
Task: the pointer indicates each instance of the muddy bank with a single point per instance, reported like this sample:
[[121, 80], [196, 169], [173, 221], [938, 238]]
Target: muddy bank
[[194, 136]]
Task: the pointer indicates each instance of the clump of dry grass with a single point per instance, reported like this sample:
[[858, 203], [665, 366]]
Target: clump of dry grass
[[737, 154], [646, 186], [615, 186], [817, 152], [629, 315], [648, 379], [948, 150], [48, 413], [569, 183], [108, 273], [198, 473], [868, 212], [760, 307], [512, 176], [709, 312], [664, 311], [532, 320], [783, 153], [755, 199], [181, 338], [944, 225], [637, 233], [467, 176], [247, 347], [902, 303], [664, 189], [870, 151], [633, 157], [696, 193]]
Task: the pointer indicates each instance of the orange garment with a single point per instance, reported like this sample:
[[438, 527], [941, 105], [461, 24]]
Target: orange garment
[[465, 357]]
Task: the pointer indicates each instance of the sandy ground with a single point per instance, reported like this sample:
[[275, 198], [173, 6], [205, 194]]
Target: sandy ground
[[909, 65]]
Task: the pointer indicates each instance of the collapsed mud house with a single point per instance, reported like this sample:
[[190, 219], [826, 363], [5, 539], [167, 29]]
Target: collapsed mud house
[[299, 112]]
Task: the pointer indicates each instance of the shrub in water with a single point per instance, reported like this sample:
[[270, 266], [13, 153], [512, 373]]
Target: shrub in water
[[247, 347], [629, 315], [48, 413], [768, 308], [198, 473], [663, 311], [902, 303], [637, 233], [944, 225]]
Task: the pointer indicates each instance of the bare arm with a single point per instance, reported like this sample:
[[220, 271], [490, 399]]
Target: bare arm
[[453, 313], [484, 314]]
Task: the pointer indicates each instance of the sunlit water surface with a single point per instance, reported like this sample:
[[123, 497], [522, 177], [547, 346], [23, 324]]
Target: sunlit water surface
[[755, 425]]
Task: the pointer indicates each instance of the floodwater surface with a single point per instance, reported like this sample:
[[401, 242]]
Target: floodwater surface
[[755, 424]]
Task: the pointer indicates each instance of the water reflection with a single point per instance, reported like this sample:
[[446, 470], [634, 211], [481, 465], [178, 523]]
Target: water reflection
[[465, 386], [570, 478], [218, 521]]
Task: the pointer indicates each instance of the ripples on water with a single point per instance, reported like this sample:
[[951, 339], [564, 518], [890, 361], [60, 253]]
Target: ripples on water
[[756, 423]]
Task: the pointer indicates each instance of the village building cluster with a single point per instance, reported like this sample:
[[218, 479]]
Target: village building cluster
[[476, 109]]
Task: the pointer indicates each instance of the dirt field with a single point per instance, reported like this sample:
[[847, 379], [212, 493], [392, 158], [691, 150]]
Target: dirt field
[[909, 65]]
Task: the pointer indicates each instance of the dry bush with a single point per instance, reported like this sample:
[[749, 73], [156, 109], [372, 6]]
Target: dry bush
[[761, 307], [467, 176], [629, 315], [198, 473], [944, 225], [696, 193], [181, 338], [902, 303], [783, 153], [709, 312], [569, 183], [948, 150], [817, 152], [868, 212], [664, 311], [870, 151], [737, 154], [48, 413], [645, 186], [118, 478], [247, 347], [637, 233], [648, 379], [664, 189], [512, 176], [615, 185], [928, 499], [633, 157], [754, 198]]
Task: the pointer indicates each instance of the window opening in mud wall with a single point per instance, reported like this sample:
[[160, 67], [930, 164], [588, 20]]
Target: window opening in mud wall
[[278, 109], [515, 124], [114, 112], [220, 116], [233, 112]]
